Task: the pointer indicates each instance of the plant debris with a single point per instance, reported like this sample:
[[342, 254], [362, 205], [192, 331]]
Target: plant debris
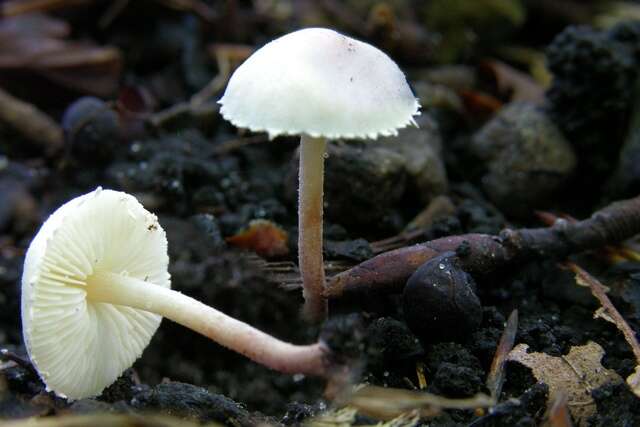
[[387, 403], [577, 374], [495, 379], [263, 237], [608, 312]]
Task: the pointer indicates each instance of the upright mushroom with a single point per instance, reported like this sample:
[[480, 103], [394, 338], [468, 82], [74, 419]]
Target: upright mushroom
[[321, 85], [95, 287]]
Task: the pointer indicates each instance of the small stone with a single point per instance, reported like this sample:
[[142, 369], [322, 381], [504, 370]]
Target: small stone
[[526, 158], [421, 148], [365, 181], [91, 129]]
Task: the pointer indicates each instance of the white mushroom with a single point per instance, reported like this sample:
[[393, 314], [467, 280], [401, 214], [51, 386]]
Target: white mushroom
[[321, 85], [95, 287]]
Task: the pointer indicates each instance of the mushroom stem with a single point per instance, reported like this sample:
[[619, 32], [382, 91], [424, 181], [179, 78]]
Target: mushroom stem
[[310, 209], [258, 346]]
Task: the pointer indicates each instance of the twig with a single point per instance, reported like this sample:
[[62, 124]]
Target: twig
[[599, 291], [484, 253], [495, 379], [32, 123], [609, 312]]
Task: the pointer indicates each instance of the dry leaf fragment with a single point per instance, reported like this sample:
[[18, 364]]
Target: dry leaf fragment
[[495, 379], [610, 313], [263, 237], [576, 374], [387, 403]]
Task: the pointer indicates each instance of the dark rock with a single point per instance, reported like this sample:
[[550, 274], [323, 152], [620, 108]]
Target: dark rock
[[439, 301], [526, 158], [363, 185], [422, 151], [625, 181], [92, 130], [189, 401], [365, 182], [592, 90]]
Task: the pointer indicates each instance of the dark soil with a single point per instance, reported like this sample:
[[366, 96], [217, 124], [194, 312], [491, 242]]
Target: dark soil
[[141, 136]]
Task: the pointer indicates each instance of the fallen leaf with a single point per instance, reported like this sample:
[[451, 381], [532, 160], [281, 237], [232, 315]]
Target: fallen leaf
[[577, 374], [610, 313], [263, 237]]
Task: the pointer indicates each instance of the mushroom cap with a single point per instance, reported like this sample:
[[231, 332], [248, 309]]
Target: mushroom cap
[[79, 346], [320, 83]]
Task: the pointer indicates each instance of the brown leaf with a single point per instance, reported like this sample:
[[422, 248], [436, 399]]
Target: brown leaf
[[610, 313], [263, 237], [575, 374]]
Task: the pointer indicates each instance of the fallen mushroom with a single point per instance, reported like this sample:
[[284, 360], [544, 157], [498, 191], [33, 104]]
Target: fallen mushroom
[[95, 287], [321, 85]]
